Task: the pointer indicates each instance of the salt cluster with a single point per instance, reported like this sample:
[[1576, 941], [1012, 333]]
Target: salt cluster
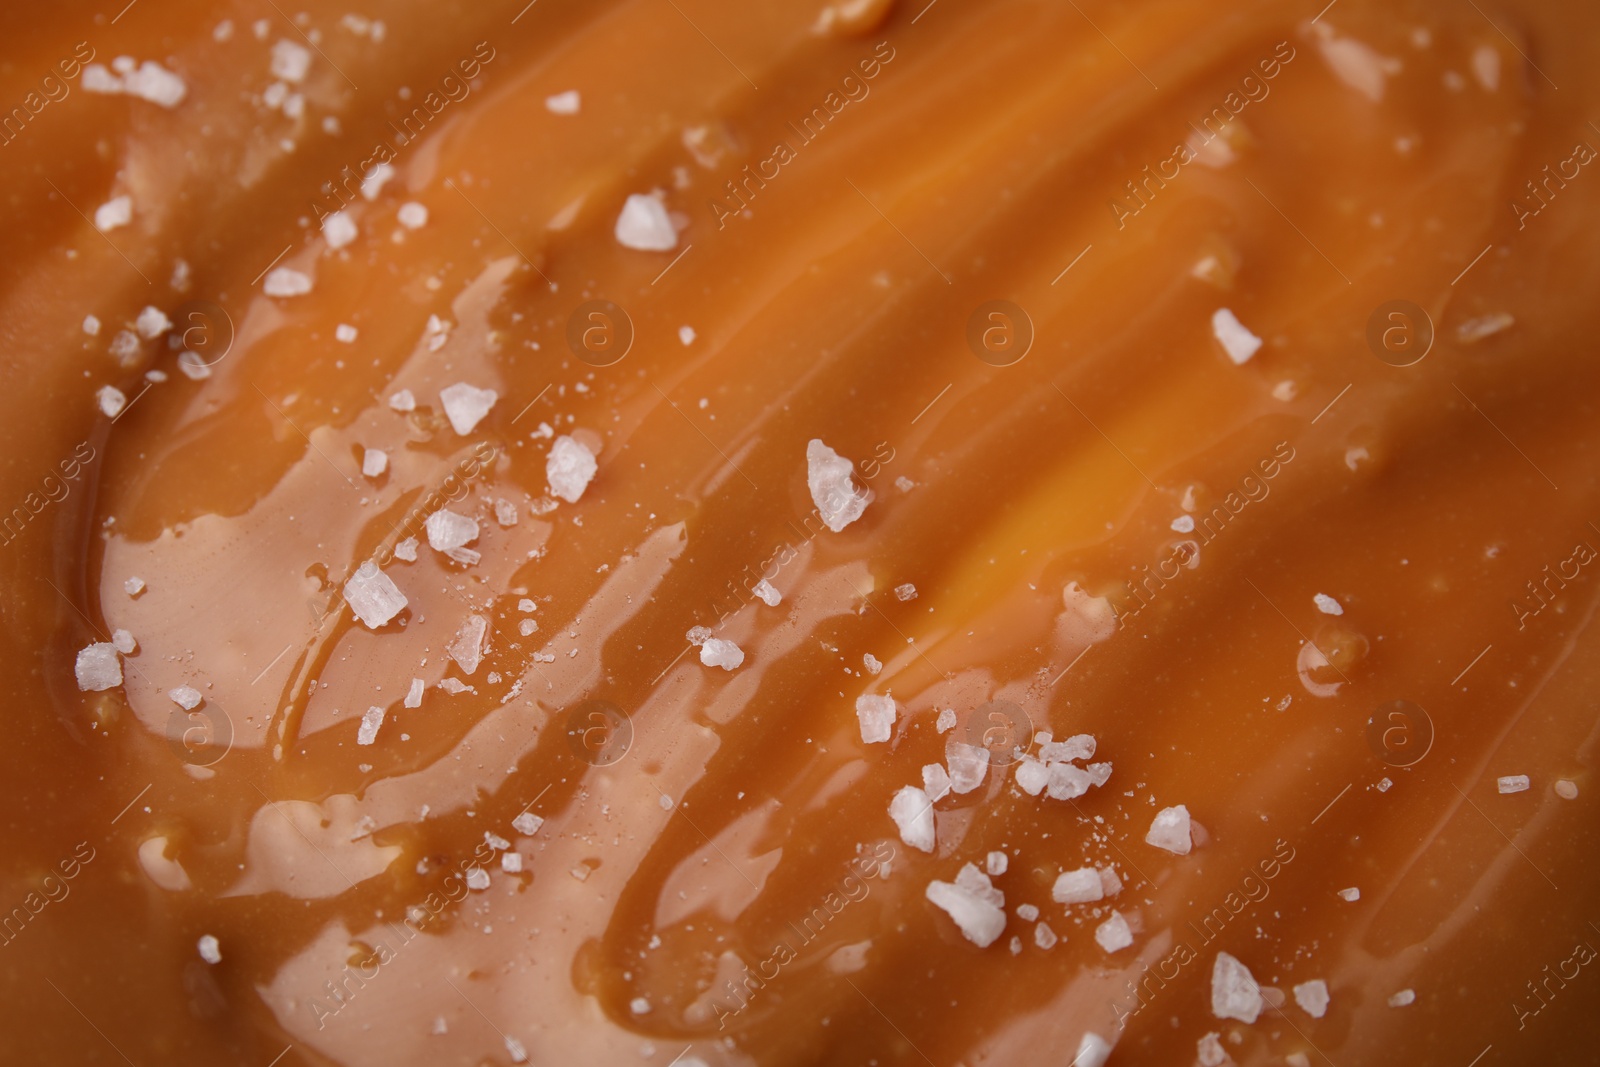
[[98, 668], [715, 652], [1234, 992], [1054, 771], [975, 905]]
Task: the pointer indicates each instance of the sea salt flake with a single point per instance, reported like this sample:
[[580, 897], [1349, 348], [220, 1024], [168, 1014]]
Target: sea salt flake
[[1236, 340], [111, 401], [406, 550], [876, 714], [448, 530], [1170, 830], [719, 653], [1032, 776], [1327, 605], [372, 596], [466, 405], [155, 83], [152, 323], [1312, 996], [91, 325], [338, 229], [412, 215], [1067, 781], [995, 864], [569, 468], [505, 512], [566, 103], [404, 400], [374, 461], [118, 211], [1076, 747], [698, 635], [210, 949], [527, 627], [686, 335], [973, 904], [123, 642], [968, 764], [1081, 886], [467, 648], [935, 781], [1234, 992], [527, 824], [346, 334], [133, 586], [1044, 937], [871, 663], [98, 668], [1352, 894], [905, 591], [286, 281], [514, 1048], [946, 720], [477, 878], [1027, 912], [1209, 1051], [828, 476], [767, 593], [367, 732], [644, 225], [376, 179], [1113, 935], [1402, 998], [912, 813], [1512, 783], [511, 862], [414, 694], [1183, 524], [290, 61]]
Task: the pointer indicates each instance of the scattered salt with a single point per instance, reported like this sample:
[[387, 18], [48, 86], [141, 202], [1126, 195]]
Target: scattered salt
[[367, 732], [98, 667], [505, 512], [448, 532], [912, 813], [406, 550], [1209, 1052], [968, 764], [906, 591], [1234, 992], [686, 334], [123, 642], [286, 281], [876, 714], [1044, 937], [466, 405], [133, 586], [946, 720], [1170, 830], [871, 663], [1236, 340], [569, 468], [1113, 935], [511, 862], [1313, 997], [995, 864], [374, 462], [91, 325], [719, 653], [372, 596], [643, 224]]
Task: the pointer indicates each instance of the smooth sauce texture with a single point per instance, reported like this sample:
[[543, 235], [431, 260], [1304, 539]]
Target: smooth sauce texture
[[1127, 533]]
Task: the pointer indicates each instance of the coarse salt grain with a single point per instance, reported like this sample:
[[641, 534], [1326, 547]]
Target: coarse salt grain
[[1352, 894], [876, 714], [1234, 992], [118, 211], [767, 593], [98, 668], [344, 333], [566, 103], [505, 512], [1236, 340], [1312, 996], [414, 694], [871, 663], [448, 531], [338, 229], [367, 732], [1327, 605], [569, 468], [1566, 790], [152, 323], [686, 335], [404, 400], [406, 550], [1208, 1051], [477, 878], [412, 215], [374, 461], [467, 648], [946, 720], [905, 591], [1044, 937], [133, 586], [372, 596], [1093, 1051], [91, 325], [210, 949], [466, 405], [123, 641], [968, 764], [1170, 830], [527, 627], [644, 225], [716, 652], [1113, 935], [912, 813], [286, 281], [935, 781], [290, 61], [828, 476], [1402, 998], [111, 401], [973, 903], [527, 824], [1077, 887], [511, 862], [185, 697], [1512, 783]]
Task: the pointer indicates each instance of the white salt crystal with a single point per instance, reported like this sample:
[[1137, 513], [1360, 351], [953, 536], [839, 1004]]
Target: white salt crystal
[[505, 512], [111, 401], [935, 782], [569, 468], [347, 334], [374, 461], [1076, 747], [375, 180], [403, 401], [719, 653], [210, 949], [367, 732], [133, 586], [871, 663], [1113, 935], [644, 225], [1512, 783], [1297, 1059], [1032, 776], [1402, 998], [1044, 937], [1093, 1051], [124, 348], [946, 719], [527, 604], [467, 648], [477, 878], [117, 211], [372, 596], [466, 405], [1352, 894], [1486, 66], [1327, 605], [514, 1048], [414, 695], [406, 550], [698, 635], [193, 367], [91, 325], [155, 83], [152, 323], [912, 813], [876, 714], [123, 642], [968, 764], [974, 905], [1183, 524], [527, 824], [1170, 830], [448, 531], [1027, 912], [1077, 887], [995, 864], [1357, 65], [828, 476], [1313, 997], [1067, 781], [1099, 774], [768, 594], [338, 229], [1234, 992], [412, 215], [1236, 340], [527, 627], [1109, 882], [906, 591], [1209, 1051], [686, 334], [286, 281], [1566, 790], [511, 862], [290, 60], [98, 667], [566, 103]]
